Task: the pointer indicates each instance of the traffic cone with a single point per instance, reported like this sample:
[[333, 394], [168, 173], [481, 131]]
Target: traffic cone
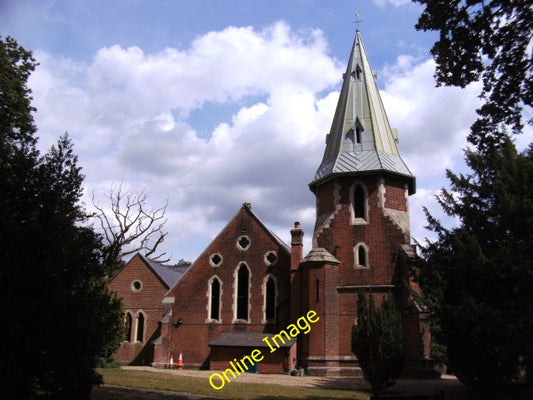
[[171, 364], [180, 361]]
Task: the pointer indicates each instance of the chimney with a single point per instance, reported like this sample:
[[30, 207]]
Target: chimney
[[296, 246]]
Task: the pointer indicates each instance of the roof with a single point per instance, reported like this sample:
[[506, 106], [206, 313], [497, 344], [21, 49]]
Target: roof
[[247, 339], [361, 139], [319, 254], [168, 274]]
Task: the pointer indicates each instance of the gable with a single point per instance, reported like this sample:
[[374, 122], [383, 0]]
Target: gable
[[230, 244]]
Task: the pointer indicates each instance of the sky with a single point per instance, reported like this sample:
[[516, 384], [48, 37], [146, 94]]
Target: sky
[[207, 104]]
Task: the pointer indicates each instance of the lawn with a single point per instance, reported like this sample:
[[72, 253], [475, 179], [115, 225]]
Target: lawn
[[199, 386]]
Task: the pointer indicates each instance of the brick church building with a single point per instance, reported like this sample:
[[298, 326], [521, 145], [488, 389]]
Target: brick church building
[[248, 285]]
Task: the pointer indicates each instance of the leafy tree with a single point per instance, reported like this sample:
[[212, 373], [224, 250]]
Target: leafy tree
[[377, 342], [488, 41], [57, 314], [478, 276]]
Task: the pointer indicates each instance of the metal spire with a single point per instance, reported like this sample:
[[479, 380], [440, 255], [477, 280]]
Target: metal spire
[[361, 139]]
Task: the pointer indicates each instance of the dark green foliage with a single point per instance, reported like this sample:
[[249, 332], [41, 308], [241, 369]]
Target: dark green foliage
[[478, 277], [377, 342], [57, 314], [487, 40]]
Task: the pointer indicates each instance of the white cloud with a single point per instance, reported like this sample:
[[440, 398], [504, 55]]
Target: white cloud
[[432, 122], [128, 115]]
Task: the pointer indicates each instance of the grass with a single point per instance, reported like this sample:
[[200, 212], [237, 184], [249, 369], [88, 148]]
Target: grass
[[200, 386]]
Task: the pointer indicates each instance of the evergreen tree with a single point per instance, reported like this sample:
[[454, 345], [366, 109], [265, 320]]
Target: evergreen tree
[[478, 276], [57, 313], [377, 342]]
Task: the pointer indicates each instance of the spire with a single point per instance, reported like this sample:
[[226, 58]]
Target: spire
[[361, 139]]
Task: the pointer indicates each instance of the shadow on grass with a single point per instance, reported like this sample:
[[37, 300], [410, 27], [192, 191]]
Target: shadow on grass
[[121, 393], [452, 388]]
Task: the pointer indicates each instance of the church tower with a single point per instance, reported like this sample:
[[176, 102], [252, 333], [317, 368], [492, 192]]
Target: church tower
[[361, 238]]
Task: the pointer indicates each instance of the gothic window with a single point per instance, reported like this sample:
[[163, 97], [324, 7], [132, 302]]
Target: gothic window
[[140, 327], [214, 306], [359, 199], [128, 322], [242, 292], [358, 135], [270, 299], [362, 256], [317, 294], [359, 202]]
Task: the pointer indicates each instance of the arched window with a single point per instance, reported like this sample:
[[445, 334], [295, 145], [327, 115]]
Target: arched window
[[128, 322], [270, 299], [361, 255], [140, 327], [361, 252], [214, 307], [242, 292]]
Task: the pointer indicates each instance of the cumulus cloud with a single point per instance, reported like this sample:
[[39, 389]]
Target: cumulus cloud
[[134, 117], [128, 113], [432, 122]]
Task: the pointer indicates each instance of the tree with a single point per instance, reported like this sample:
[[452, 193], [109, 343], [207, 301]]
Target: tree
[[488, 41], [58, 315], [131, 227], [377, 342], [478, 276]]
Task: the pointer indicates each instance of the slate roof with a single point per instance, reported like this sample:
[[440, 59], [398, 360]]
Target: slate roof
[[169, 275], [361, 139], [247, 339]]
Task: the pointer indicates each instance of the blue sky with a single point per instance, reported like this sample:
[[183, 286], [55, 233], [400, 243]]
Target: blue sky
[[210, 104]]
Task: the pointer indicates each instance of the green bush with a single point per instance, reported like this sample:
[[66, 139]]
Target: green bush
[[377, 342]]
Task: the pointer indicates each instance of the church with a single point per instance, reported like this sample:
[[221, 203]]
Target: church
[[248, 285]]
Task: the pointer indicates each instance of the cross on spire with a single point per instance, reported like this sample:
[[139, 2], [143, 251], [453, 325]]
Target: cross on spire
[[358, 20]]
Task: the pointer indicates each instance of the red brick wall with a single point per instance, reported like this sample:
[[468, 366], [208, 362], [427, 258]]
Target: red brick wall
[[148, 299], [272, 363], [191, 292], [383, 238]]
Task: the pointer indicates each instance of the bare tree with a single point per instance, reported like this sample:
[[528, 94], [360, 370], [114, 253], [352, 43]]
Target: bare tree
[[130, 226]]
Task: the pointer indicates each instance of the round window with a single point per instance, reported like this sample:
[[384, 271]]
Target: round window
[[243, 242], [136, 285], [215, 260], [271, 257]]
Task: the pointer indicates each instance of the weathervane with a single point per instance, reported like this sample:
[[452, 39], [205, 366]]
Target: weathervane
[[358, 20]]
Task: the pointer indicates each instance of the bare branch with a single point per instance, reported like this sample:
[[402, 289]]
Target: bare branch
[[130, 224]]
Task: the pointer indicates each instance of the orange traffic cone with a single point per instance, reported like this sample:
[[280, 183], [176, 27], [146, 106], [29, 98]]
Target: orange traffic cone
[[171, 363], [180, 361]]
